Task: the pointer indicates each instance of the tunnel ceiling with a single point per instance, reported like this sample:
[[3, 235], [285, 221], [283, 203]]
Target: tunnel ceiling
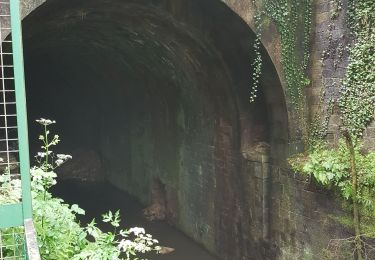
[[112, 42], [116, 42], [151, 95]]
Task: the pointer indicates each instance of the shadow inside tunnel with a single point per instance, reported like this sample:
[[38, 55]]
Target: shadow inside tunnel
[[97, 198]]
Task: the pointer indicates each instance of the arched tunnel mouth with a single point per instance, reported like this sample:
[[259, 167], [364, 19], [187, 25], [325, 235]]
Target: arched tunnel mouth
[[152, 97]]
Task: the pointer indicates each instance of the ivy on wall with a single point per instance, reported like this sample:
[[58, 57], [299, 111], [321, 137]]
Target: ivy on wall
[[346, 168], [293, 22], [257, 63], [357, 101]]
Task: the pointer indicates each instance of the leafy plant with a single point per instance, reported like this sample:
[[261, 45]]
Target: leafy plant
[[130, 242], [349, 172], [330, 167], [60, 235], [346, 169], [10, 189]]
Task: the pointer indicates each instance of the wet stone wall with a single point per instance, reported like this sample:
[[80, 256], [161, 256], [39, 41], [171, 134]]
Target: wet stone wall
[[152, 96]]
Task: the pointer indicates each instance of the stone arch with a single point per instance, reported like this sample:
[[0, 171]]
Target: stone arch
[[162, 93]]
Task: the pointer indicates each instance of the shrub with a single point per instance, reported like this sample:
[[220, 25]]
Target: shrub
[[60, 235]]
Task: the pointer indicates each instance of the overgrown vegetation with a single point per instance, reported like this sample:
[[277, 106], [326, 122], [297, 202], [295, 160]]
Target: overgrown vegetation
[[293, 22], [347, 168], [357, 101], [350, 172], [331, 168], [60, 235]]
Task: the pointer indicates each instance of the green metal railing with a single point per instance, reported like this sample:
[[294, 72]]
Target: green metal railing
[[17, 236]]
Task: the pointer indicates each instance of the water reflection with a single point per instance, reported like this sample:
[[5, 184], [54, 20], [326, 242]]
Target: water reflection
[[97, 199]]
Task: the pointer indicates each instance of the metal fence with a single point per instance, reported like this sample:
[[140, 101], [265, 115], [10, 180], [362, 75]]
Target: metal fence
[[17, 236]]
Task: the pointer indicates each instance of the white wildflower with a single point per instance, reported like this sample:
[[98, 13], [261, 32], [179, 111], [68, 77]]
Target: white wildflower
[[137, 231], [45, 122], [59, 162], [64, 157], [125, 245], [43, 154]]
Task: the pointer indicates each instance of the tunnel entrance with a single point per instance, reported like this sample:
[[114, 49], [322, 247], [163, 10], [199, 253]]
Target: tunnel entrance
[[158, 90]]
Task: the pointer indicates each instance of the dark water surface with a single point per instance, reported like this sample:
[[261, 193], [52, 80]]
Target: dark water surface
[[97, 199]]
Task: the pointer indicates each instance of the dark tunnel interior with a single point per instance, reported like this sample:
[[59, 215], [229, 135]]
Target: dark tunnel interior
[[153, 93]]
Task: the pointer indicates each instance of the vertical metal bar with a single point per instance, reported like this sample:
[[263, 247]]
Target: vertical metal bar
[[31, 241], [19, 81]]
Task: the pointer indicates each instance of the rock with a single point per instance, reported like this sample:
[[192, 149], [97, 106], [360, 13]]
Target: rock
[[157, 210], [154, 212], [166, 250], [84, 166], [255, 152]]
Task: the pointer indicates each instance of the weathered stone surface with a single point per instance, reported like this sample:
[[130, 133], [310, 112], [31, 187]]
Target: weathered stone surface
[[162, 97], [86, 166], [159, 90]]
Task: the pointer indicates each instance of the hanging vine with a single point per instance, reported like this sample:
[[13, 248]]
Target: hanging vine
[[293, 22], [257, 63], [288, 16]]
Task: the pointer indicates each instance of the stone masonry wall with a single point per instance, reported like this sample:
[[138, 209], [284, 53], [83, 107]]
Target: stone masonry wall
[[329, 61], [239, 206]]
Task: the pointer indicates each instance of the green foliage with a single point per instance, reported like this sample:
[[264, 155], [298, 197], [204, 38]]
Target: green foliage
[[291, 17], [367, 222], [112, 245], [257, 63], [60, 235], [330, 167], [318, 126], [348, 171], [361, 16], [12, 243], [10, 189], [357, 102]]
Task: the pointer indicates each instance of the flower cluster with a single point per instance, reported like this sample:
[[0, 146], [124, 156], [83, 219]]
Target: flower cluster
[[42, 154], [142, 242], [58, 229], [62, 158], [45, 122], [137, 231]]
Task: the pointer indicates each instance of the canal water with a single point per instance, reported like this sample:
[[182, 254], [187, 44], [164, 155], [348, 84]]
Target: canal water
[[97, 199]]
